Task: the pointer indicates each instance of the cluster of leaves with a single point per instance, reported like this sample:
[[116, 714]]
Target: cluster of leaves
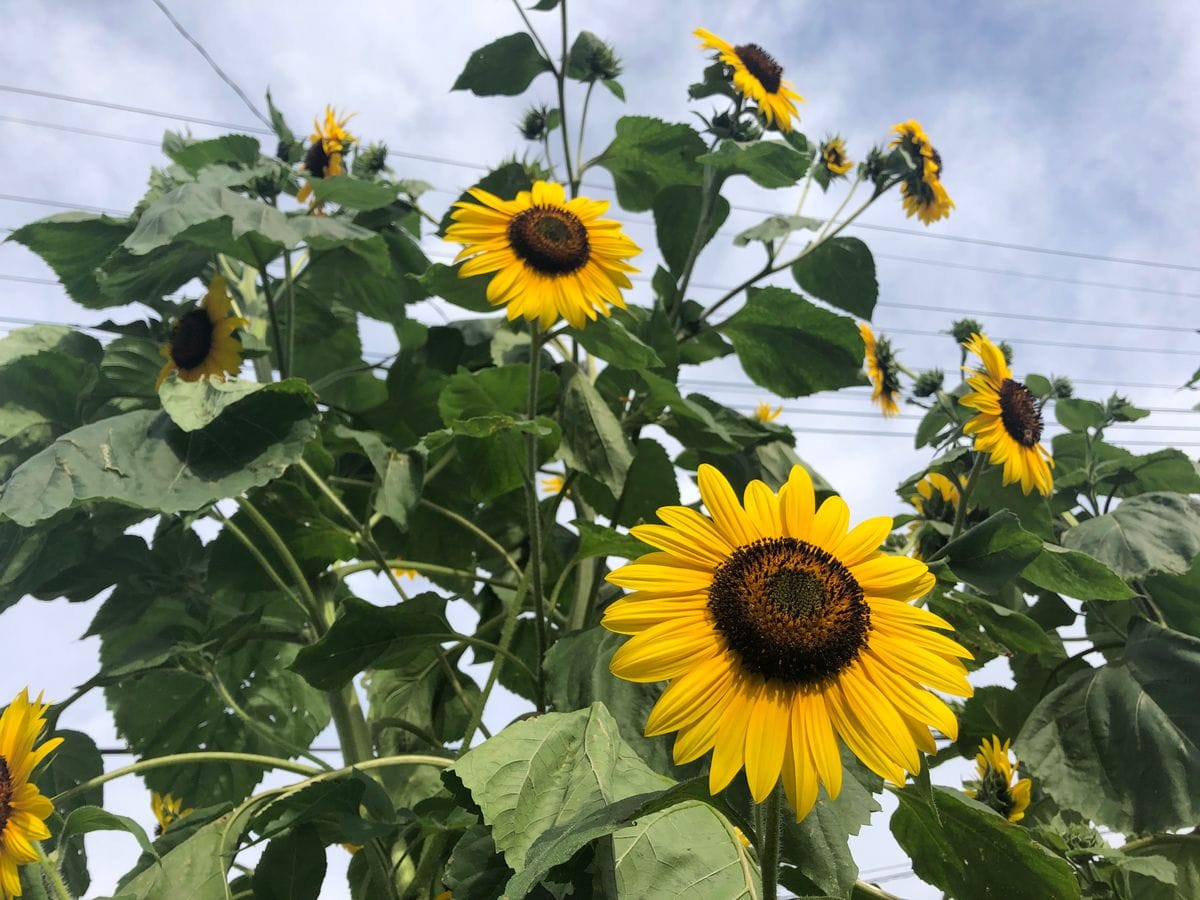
[[252, 642]]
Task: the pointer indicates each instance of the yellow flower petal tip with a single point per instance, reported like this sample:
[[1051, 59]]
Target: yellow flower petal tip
[[922, 192], [999, 785], [883, 369]]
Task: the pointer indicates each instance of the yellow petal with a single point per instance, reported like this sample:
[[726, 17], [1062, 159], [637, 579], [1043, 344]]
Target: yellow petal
[[797, 502], [729, 752], [829, 524], [727, 514], [767, 734], [663, 652], [762, 505]]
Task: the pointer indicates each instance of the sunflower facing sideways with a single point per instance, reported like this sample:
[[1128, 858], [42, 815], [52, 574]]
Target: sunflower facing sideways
[[1009, 424], [883, 370], [23, 809], [923, 193], [757, 77], [203, 340], [551, 256], [997, 787], [328, 143], [167, 809], [782, 630]]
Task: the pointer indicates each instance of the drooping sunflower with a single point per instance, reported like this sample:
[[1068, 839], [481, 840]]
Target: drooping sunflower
[[883, 370], [1009, 424], [834, 158], [23, 808], [758, 77], [997, 787], [328, 143], [932, 485], [780, 630], [203, 340], [923, 193], [764, 412], [167, 808], [551, 256]]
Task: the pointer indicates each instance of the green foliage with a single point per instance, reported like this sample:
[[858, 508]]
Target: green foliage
[[648, 155], [840, 271], [1154, 532], [504, 67]]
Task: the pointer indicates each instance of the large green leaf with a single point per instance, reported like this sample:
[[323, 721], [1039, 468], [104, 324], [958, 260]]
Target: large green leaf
[[476, 871], [677, 209], [1075, 574], [1154, 532], [1005, 630], [1175, 597], [194, 869], [649, 154], [74, 245], [792, 347], [769, 164], [973, 853], [1179, 850], [775, 227], [610, 340], [993, 553], [840, 271], [292, 867], [592, 439], [194, 155], [144, 460], [356, 193], [504, 67], [1121, 744]]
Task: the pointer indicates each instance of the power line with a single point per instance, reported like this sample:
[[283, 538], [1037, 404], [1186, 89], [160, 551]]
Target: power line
[[1107, 348], [894, 229], [1058, 320], [212, 62], [78, 207], [89, 132]]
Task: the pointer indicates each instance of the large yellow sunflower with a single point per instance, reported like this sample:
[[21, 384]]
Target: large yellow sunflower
[[997, 787], [1009, 424], [758, 77], [780, 630], [923, 193], [328, 143], [883, 370], [23, 809], [203, 341], [552, 256]]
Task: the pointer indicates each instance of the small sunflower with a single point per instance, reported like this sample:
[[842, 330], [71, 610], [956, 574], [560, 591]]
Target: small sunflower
[[883, 370], [551, 256], [23, 809], [552, 485], [935, 484], [1009, 424], [406, 573], [764, 412], [780, 630], [329, 142], [167, 808], [758, 77], [834, 158], [997, 787], [923, 193], [203, 340]]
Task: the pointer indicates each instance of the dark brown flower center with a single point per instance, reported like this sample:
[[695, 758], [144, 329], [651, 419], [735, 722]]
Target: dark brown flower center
[[6, 793], [550, 239], [1019, 413], [789, 610], [937, 159], [761, 65], [192, 340], [316, 160]]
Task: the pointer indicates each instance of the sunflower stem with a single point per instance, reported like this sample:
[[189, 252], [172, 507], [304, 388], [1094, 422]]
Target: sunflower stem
[[475, 530], [423, 567], [587, 98], [845, 202], [273, 314], [560, 76], [52, 875], [533, 514], [290, 304], [710, 186], [263, 562], [289, 560], [508, 631], [768, 842], [960, 514]]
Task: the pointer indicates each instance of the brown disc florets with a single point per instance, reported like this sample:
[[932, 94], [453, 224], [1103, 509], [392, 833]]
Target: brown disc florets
[[192, 340], [761, 65], [551, 240], [6, 793], [316, 160], [1019, 413]]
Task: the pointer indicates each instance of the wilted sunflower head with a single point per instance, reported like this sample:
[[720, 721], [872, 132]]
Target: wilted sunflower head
[[883, 369], [922, 191], [328, 142], [998, 786], [757, 77]]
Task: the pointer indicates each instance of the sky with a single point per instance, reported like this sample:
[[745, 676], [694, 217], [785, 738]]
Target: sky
[[1065, 127]]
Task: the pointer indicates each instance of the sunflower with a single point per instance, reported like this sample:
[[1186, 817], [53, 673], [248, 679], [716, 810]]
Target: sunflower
[[780, 630], [167, 809], [923, 193], [552, 256], [935, 484], [23, 809], [203, 341], [882, 369], [329, 142], [765, 413], [834, 158], [997, 788], [757, 76], [1009, 424], [552, 484]]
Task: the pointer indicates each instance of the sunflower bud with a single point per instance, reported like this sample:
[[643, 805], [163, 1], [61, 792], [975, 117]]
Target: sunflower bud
[[593, 60], [964, 328], [1007, 350], [370, 161], [1061, 387], [1119, 409], [743, 129], [538, 122], [875, 169], [929, 383]]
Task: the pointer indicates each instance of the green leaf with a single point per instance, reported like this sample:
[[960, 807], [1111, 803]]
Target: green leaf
[[1013, 631], [992, 495], [354, 193], [600, 540], [971, 852], [1121, 744], [194, 155], [86, 819], [592, 439], [677, 210], [292, 867], [400, 475], [414, 707], [609, 339], [1154, 532], [840, 271], [502, 389], [125, 379], [769, 164], [367, 636], [1181, 852], [194, 869], [1175, 596], [649, 484], [504, 67], [1079, 415], [77, 760], [74, 245], [993, 553], [647, 155], [792, 347], [476, 871], [144, 460], [1075, 574], [469, 293], [197, 404], [773, 228]]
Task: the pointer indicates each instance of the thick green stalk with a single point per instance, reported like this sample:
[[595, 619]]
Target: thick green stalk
[[960, 515], [768, 846], [533, 514], [51, 873], [289, 560]]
